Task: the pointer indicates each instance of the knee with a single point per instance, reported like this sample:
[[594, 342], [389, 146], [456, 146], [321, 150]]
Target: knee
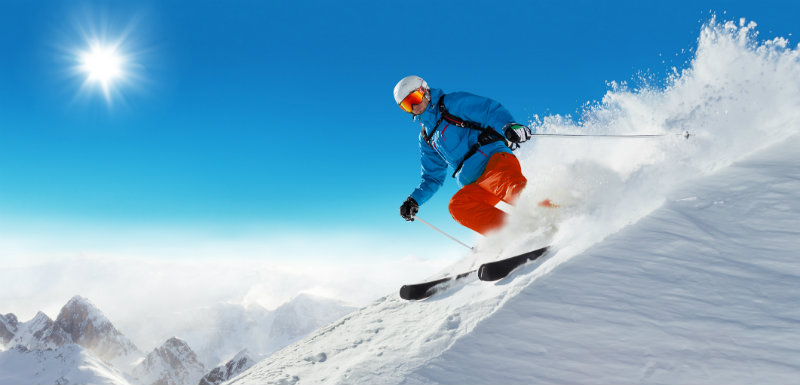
[[515, 188], [466, 201], [457, 203]]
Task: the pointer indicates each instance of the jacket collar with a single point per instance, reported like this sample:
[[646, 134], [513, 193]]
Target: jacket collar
[[431, 114]]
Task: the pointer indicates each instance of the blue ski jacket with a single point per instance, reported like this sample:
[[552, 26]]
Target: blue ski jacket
[[449, 144]]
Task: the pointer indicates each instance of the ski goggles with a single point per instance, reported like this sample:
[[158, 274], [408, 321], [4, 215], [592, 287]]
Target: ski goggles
[[412, 99]]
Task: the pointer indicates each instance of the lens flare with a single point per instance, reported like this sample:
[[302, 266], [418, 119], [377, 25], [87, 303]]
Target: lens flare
[[105, 55], [102, 64]]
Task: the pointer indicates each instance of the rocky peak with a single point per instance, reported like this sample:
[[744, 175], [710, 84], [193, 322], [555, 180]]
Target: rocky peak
[[82, 320], [10, 320], [88, 327], [40, 333], [173, 363], [8, 327], [232, 368]]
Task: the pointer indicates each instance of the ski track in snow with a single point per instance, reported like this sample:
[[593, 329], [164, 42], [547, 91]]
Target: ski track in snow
[[700, 290]]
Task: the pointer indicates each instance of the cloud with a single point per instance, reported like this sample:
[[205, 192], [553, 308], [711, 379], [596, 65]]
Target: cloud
[[136, 292]]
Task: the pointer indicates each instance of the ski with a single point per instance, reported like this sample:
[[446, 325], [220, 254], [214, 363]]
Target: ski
[[493, 271], [426, 289]]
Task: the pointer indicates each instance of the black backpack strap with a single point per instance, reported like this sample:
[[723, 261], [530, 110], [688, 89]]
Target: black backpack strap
[[456, 121], [487, 135], [426, 137], [425, 134]]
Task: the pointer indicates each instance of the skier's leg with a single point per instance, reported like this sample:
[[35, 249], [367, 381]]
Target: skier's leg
[[503, 177], [473, 207]]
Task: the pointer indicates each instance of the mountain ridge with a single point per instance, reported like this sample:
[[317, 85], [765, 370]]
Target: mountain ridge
[[82, 336]]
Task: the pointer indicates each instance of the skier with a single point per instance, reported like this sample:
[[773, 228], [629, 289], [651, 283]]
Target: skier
[[467, 133]]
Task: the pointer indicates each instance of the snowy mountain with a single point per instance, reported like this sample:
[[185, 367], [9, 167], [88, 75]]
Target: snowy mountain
[[79, 347], [89, 328], [222, 331], [675, 261], [67, 364], [173, 363], [78, 322], [83, 337], [8, 328], [217, 333], [232, 368], [40, 333]]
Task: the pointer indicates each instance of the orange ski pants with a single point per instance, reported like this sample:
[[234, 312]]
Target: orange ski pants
[[473, 205]]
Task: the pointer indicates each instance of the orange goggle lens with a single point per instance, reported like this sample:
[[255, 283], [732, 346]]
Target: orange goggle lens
[[412, 99]]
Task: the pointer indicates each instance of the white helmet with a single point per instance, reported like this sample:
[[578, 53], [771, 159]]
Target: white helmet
[[406, 86]]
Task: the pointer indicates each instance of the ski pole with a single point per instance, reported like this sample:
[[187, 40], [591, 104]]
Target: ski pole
[[683, 134], [446, 234]]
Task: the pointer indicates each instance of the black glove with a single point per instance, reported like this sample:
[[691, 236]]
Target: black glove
[[517, 133], [409, 209]]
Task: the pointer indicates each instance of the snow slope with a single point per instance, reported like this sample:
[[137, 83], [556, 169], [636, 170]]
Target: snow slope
[[675, 260], [68, 364], [703, 290]]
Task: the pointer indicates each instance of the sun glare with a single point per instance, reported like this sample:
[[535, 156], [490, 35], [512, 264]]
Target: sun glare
[[102, 65], [104, 55]]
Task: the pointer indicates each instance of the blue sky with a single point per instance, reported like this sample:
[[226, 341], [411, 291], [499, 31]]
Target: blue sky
[[278, 116]]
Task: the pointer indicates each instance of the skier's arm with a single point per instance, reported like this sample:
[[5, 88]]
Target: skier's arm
[[485, 111], [434, 172]]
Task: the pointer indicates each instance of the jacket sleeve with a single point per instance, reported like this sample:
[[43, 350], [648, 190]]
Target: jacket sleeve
[[434, 172], [485, 111]]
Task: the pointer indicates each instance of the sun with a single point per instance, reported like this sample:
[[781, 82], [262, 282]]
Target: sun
[[102, 65], [105, 56]]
